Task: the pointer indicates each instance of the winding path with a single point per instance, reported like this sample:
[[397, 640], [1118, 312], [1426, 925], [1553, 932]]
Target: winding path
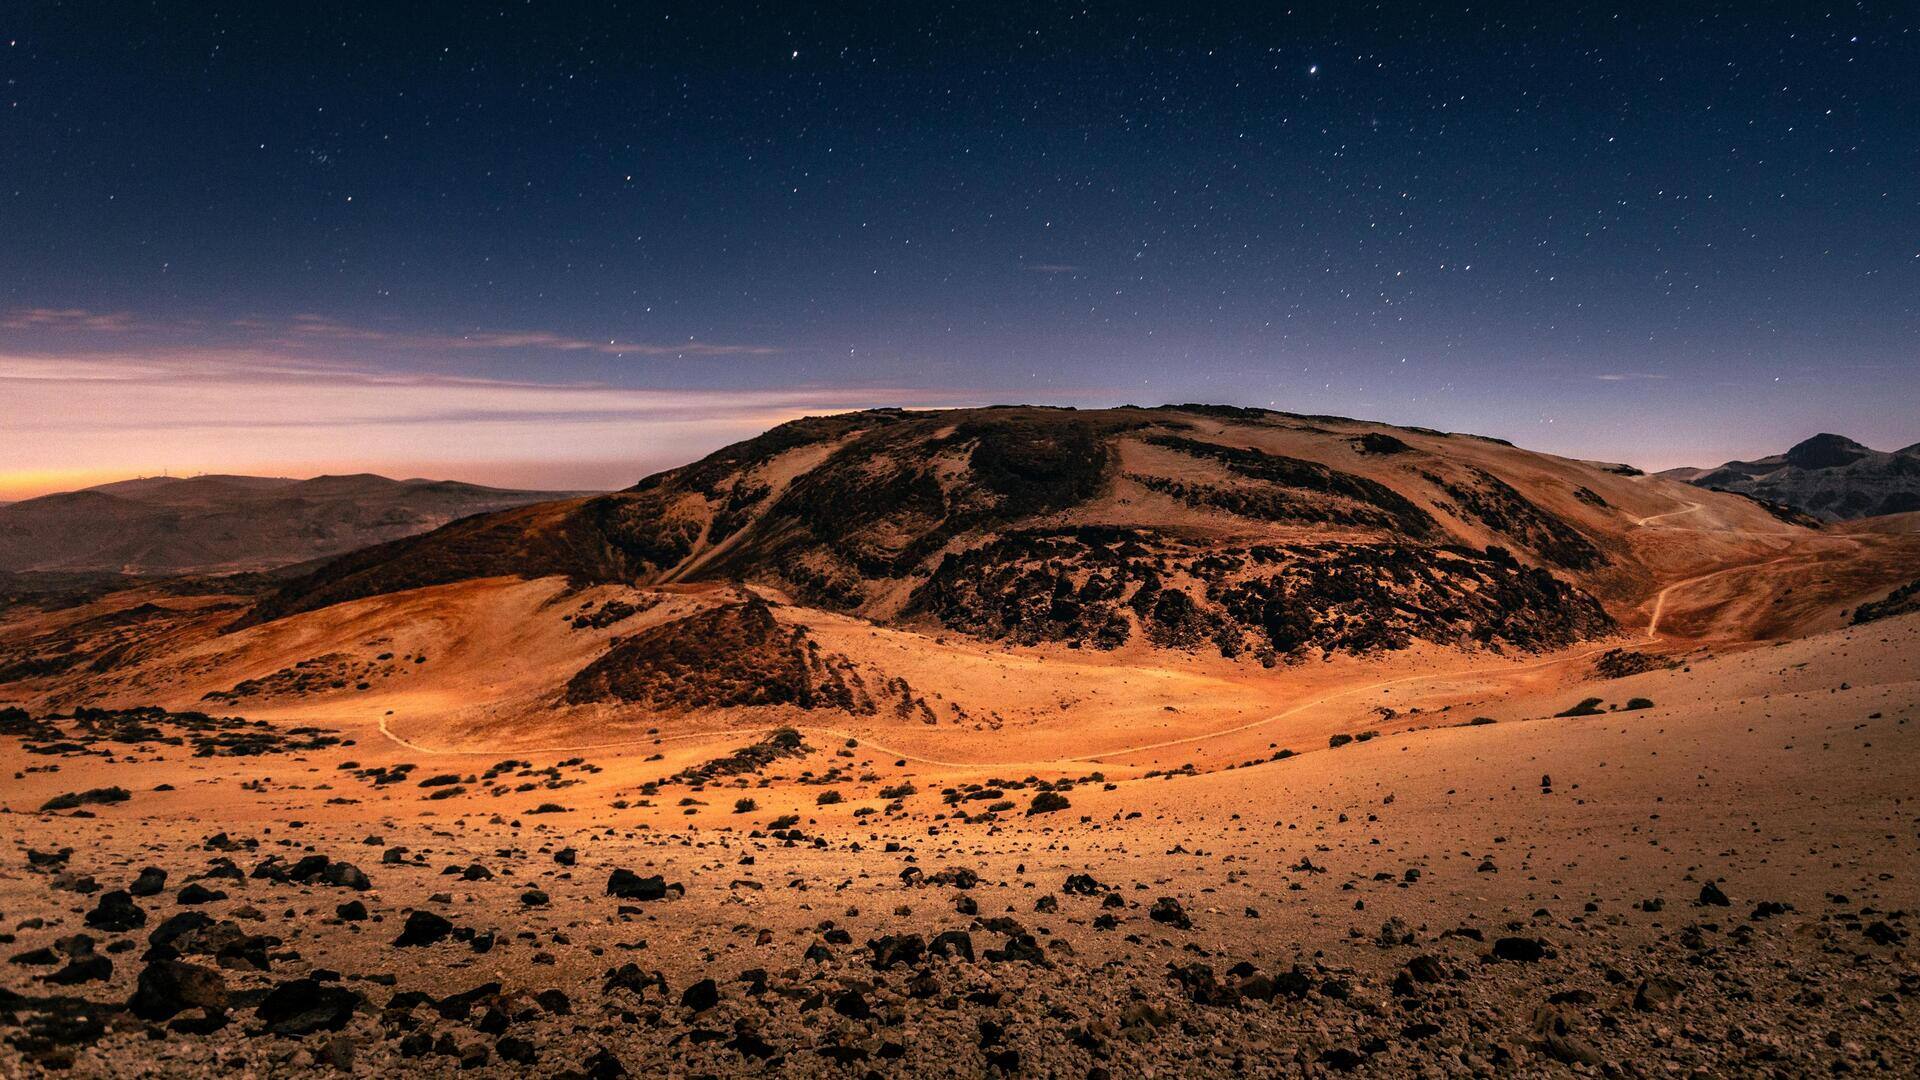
[[1687, 509]]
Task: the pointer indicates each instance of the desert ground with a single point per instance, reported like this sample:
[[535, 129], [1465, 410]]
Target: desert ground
[[1686, 846]]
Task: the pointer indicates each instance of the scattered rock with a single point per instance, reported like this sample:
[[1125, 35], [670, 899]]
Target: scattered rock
[[627, 885], [168, 987], [116, 913], [303, 1006], [423, 928]]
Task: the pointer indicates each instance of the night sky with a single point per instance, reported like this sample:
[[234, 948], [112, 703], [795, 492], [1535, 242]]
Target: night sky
[[565, 244]]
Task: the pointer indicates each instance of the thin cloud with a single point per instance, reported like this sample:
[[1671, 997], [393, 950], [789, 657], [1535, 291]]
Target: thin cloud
[[309, 329], [251, 410], [1051, 268], [1627, 376], [210, 382], [321, 327], [43, 318]]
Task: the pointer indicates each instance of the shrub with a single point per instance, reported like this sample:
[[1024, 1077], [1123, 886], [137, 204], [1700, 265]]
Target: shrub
[[1047, 802]]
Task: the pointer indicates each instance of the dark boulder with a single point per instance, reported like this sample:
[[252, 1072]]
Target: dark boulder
[[1083, 885], [954, 943], [896, 949], [701, 996], [116, 913], [1519, 949], [303, 1006], [627, 885], [167, 987], [423, 928], [149, 883], [196, 893], [345, 875], [82, 969], [1168, 910]]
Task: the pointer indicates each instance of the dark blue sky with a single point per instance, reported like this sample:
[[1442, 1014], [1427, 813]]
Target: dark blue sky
[[1662, 233]]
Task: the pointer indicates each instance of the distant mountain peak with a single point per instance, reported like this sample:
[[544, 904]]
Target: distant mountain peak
[[1826, 451], [1829, 476]]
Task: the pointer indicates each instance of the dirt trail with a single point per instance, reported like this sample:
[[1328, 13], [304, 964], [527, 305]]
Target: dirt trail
[[1660, 598], [1687, 509]]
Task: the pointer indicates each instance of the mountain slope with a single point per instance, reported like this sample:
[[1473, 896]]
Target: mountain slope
[[1238, 531], [1829, 476], [217, 523], [1092, 580]]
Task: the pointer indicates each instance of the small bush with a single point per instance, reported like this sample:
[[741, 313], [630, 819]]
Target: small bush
[[1589, 707], [745, 806], [828, 798], [1638, 703], [1047, 802]]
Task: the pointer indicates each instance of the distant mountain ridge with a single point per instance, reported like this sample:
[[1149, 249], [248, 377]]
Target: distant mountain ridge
[[213, 523], [1829, 476]]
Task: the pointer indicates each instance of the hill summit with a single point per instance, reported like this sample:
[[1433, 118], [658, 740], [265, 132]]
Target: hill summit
[[1241, 531]]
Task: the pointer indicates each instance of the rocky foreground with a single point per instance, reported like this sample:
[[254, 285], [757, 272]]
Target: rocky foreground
[[1709, 890]]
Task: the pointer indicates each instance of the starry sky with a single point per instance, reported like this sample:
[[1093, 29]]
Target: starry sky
[[566, 244]]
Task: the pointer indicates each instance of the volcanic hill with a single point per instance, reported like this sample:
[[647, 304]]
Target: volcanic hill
[[1251, 532], [960, 571]]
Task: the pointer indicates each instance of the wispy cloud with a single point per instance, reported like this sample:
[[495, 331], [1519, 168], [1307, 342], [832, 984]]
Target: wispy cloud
[[1627, 376], [1051, 268], [321, 330], [43, 318], [321, 327]]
